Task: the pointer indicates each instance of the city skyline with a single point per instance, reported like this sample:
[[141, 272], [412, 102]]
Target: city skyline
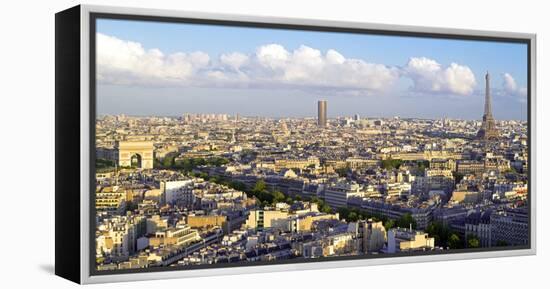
[[487, 129], [230, 179], [279, 73]]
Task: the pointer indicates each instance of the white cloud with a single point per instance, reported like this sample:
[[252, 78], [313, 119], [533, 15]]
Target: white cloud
[[510, 86], [430, 76], [273, 56], [127, 62], [334, 57], [271, 66], [509, 83], [234, 60], [309, 67]]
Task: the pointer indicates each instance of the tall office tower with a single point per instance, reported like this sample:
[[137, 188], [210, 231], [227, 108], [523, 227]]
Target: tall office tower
[[488, 130], [322, 113]]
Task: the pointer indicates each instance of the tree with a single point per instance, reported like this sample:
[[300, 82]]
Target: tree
[[391, 163], [131, 206], [104, 164], [343, 212], [188, 164], [265, 196], [315, 200], [239, 186], [198, 162], [352, 217], [406, 220], [422, 166], [278, 197], [458, 177], [473, 241], [342, 172], [440, 232], [217, 161], [157, 163], [260, 186], [168, 160], [353, 214], [324, 208], [389, 224], [455, 242], [381, 218]]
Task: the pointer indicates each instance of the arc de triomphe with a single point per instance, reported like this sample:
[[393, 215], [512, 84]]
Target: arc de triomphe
[[135, 153]]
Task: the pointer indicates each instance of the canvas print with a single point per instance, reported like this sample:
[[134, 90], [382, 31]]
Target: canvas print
[[225, 145]]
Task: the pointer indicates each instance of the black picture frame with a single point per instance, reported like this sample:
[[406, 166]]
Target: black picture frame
[[70, 233]]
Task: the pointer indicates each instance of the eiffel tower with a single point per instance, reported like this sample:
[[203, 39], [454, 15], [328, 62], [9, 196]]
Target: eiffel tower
[[488, 130]]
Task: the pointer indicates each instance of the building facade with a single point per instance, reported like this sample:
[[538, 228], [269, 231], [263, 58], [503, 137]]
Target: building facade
[[322, 113], [137, 154]]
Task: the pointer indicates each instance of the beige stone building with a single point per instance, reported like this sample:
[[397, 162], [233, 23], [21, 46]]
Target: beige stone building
[[181, 235], [373, 234], [111, 199], [205, 222], [469, 197], [400, 240], [135, 154], [260, 219], [296, 163]]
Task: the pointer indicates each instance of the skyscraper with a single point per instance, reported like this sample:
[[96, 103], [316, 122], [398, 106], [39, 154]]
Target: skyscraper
[[488, 130], [322, 113]]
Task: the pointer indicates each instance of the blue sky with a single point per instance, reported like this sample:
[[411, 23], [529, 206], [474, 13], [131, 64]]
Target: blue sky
[[409, 92]]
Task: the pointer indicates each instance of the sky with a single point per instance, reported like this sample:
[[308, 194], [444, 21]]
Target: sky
[[154, 68]]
